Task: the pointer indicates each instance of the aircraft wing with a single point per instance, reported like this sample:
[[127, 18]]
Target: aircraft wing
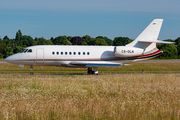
[[95, 64]]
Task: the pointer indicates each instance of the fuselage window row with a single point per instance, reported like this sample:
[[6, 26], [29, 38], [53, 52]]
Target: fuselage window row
[[70, 53]]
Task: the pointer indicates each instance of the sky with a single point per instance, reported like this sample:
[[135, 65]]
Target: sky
[[110, 18]]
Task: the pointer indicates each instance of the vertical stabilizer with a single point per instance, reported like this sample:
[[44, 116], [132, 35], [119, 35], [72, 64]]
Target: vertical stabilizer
[[151, 33]]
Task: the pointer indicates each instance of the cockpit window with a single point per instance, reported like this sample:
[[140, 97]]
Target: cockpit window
[[25, 50], [30, 51], [22, 51]]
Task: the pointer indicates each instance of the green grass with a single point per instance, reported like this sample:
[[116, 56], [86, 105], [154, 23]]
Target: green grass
[[103, 97]]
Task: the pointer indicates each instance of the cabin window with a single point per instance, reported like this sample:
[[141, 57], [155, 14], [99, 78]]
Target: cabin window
[[30, 51], [66, 53]]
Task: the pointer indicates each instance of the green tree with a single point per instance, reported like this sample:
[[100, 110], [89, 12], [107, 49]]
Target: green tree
[[9, 42], [7, 52], [48, 42], [88, 40], [69, 38], [1, 46], [129, 41], [1, 56], [120, 41], [18, 38], [52, 39], [177, 41], [84, 43], [12, 43], [17, 49], [41, 41], [100, 41], [169, 51], [27, 40], [6, 40], [107, 40], [178, 49], [34, 42], [61, 40]]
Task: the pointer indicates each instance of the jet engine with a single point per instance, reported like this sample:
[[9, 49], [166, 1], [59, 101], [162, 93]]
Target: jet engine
[[123, 51]]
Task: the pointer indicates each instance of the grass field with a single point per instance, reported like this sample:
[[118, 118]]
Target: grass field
[[134, 95], [125, 96]]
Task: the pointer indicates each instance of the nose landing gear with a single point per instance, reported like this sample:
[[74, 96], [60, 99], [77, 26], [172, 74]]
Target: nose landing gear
[[31, 68]]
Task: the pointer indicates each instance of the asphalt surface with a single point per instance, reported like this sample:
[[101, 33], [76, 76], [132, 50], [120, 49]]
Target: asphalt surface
[[3, 62]]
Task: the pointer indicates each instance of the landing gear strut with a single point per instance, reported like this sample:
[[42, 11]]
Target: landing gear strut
[[93, 70], [31, 68]]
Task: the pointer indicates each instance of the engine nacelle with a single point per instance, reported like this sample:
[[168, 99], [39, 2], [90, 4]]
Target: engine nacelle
[[123, 51]]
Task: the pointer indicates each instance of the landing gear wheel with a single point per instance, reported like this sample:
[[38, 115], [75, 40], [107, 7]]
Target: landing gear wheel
[[31, 68], [89, 71], [95, 70], [31, 73]]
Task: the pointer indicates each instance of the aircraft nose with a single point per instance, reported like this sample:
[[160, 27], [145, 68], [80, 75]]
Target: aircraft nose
[[11, 59], [8, 59]]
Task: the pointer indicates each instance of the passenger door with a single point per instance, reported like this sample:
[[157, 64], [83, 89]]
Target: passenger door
[[40, 55]]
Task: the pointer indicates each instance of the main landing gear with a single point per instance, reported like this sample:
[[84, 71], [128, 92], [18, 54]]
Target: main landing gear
[[93, 70], [31, 68]]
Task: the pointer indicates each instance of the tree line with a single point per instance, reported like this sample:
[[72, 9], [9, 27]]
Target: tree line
[[11, 46]]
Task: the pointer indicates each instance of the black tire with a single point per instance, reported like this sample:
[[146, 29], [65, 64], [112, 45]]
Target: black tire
[[31, 73], [90, 72]]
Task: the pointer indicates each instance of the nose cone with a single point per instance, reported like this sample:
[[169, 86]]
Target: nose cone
[[12, 58], [8, 59]]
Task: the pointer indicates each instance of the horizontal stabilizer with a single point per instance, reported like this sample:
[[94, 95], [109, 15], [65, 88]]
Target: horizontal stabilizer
[[156, 41]]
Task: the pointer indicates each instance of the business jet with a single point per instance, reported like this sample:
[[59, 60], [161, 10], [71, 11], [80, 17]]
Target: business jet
[[92, 57]]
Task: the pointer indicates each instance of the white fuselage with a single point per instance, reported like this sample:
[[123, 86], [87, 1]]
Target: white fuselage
[[69, 56]]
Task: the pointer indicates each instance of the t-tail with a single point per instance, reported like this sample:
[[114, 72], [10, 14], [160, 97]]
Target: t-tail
[[149, 37], [144, 46]]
